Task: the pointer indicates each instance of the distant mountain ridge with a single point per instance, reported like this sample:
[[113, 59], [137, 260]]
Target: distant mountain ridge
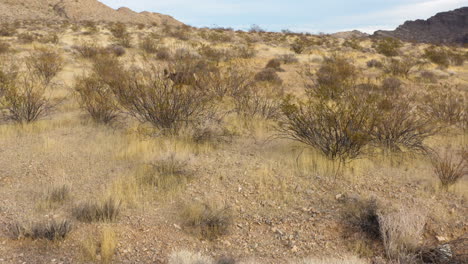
[[443, 28], [76, 10]]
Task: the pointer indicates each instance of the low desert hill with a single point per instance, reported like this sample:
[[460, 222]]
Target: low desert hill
[[76, 10]]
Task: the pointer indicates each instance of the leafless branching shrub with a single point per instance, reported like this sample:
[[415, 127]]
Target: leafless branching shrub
[[226, 81], [388, 46], [438, 55], [274, 64], [268, 75], [391, 85], [334, 77], [449, 169], [51, 230], [399, 127], [288, 58], [105, 211], [206, 220], [89, 50], [26, 38], [340, 131], [400, 67], [152, 97], [401, 232], [45, 64], [121, 35], [24, 98], [259, 100], [374, 64], [97, 98], [149, 45], [446, 106]]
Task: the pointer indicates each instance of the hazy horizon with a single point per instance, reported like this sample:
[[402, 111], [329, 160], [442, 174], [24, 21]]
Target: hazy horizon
[[297, 15]]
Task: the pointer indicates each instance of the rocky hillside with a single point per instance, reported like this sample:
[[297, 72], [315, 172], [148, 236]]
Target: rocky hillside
[[446, 27], [75, 10]]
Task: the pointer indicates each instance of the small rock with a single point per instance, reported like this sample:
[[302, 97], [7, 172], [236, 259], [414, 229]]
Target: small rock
[[177, 226], [441, 238]]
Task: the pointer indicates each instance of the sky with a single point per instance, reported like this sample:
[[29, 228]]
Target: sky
[[312, 16]]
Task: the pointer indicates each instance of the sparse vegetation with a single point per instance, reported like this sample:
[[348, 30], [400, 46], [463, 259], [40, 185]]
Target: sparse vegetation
[[206, 220], [449, 169], [24, 98], [138, 131], [45, 64], [104, 211], [97, 98], [388, 47], [50, 230], [340, 131]]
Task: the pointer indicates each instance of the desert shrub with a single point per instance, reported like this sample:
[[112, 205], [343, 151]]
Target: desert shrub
[[45, 64], [256, 29], [121, 35], [165, 173], [363, 215], [186, 257], [287, 58], [24, 98], [50, 230], [97, 98], [206, 220], [152, 97], [108, 69], [399, 127], [226, 81], [400, 67], [91, 27], [374, 64], [244, 52], [334, 77], [105, 211], [298, 46], [7, 30], [448, 169], [149, 45], [50, 38], [353, 44], [391, 85], [259, 100], [213, 54], [26, 38], [437, 55], [339, 131], [89, 50], [163, 53], [116, 50], [4, 47], [268, 75], [274, 64], [180, 32], [401, 232], [428, 76], [388, 46], [457, 59], [446, 107], [58, 194]]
